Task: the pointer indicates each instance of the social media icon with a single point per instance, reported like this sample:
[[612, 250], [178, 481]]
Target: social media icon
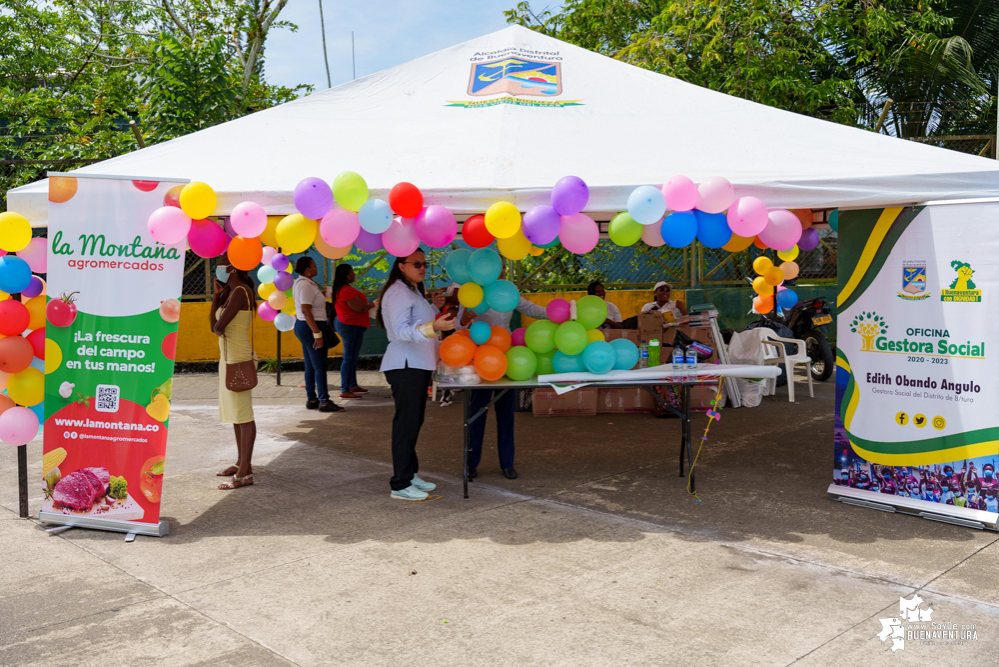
[[939, 423], [902, 419], [919, 421]]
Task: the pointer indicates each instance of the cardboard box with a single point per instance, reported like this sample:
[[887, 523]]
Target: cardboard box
[[577, 403], [700, 334], [627, 334], [631, 399], [650, 325]]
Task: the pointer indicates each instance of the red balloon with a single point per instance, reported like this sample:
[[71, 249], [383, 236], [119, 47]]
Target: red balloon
[[172, 197], [37, 340], [760, 244], [406, 199], [16, 354], [14, 317], [474, 232], [490, 363]]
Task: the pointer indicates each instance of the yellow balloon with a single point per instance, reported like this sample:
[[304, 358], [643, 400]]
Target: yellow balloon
[[289, 307], [265, 289], [295, 233], [788, 255], [277, 300], [269, 235], [53, 355], [502, 220], [774, 276], [595, 335], [326, 250], [36, 312], [15, 231], [470, 295], [27, 388], [516, 247], [536, 251], [738, 243], [197, 200], [762, 264], [790, 270], [4, 296], [761, 286]]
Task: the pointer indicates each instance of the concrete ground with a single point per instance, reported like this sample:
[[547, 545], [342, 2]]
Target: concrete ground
[[594, 556]]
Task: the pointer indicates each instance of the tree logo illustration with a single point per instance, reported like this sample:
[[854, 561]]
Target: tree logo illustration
[[869, 326]]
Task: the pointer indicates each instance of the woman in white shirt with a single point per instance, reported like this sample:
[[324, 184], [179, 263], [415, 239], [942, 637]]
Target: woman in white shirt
[[613, 320], [312, 330], [408, 364], [663, 304]]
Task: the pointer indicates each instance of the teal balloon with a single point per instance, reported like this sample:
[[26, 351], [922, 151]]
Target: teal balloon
[[485, 266], [591, 311], [521, 363], [625, 354], [834, 220], [599, 357], [623, 230], [456, 265], [480, 333], [540, 336], [568, 363], [266, 274], [502, 296], [545, 366], [571, 338], [552, 244]]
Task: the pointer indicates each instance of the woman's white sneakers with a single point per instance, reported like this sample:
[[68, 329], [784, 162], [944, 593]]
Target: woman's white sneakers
[[415, 491], [422, 485]]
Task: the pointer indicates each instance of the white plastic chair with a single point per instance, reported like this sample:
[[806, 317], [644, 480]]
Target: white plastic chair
[[775, 354]]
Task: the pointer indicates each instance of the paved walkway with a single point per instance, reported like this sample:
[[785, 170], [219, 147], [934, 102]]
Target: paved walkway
[[594, 556]]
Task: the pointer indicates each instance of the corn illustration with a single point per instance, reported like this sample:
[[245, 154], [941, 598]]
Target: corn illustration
[[51, 460]]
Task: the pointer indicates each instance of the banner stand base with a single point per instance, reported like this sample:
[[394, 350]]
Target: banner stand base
[[961, 516], [161, 529]]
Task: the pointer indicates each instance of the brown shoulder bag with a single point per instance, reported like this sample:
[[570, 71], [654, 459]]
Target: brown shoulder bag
[[241, 376]]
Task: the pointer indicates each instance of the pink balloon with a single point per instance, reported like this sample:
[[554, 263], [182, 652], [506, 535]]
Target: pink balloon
[[578, 233], [782, 231], [169, 225], [400, 238], [207, 238], [368, 242], [716, 195], [268, 255], [248, 220], [339, 227], [267, 312], [652, 234], [747, 216], [34, 254], [517, 337], [558, 310], [18, 425], [436, 226], [680, 193]]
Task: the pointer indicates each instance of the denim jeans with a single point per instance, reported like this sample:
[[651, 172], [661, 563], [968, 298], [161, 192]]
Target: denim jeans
[[352, 336], [315, 361], [504, 409]]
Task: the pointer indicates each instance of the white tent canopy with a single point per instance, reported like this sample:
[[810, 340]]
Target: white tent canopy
[[506, 115]]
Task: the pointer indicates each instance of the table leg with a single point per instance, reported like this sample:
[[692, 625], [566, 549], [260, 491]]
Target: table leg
[[466, 402], [683, 425], [686, 437]]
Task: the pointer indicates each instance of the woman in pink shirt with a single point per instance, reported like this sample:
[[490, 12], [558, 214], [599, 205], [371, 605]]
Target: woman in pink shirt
[[352, 321]]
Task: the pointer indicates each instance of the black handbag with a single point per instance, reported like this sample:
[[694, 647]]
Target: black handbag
[[333, 339]]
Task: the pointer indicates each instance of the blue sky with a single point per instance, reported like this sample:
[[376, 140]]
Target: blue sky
[[386, 33]]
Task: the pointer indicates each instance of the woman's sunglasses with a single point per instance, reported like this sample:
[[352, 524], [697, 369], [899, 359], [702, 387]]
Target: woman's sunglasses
[[418, 265]]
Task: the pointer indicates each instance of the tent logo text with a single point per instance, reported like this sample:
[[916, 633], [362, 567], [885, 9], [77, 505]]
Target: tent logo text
[[963, 287]]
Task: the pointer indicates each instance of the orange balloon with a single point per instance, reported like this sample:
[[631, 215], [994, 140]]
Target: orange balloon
[[738, 243], [759, 244], [804, 215], [5, 403], [463, 332], [490, 363], [245, 253], [500, 339], [16, 354], [763, 304], [457, 351], [61, 189]]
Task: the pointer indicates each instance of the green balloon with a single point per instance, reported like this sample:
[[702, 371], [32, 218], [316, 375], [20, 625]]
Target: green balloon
[[591, 312], [623, 230], [520, 363], [350, 190], [540, 336], [570, 337], [545, 363]]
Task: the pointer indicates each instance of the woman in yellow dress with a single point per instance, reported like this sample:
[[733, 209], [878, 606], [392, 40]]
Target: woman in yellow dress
[[231, 316]]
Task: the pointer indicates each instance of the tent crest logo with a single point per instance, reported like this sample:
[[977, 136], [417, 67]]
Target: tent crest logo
[[963, 287], [914, 281], [519, 76]]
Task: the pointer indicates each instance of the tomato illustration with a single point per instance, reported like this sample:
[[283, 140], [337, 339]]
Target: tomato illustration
[[151, 479], [61, 312]]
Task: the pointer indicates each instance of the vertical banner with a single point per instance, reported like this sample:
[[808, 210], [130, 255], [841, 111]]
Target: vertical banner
[[111, 334], [917, 341]]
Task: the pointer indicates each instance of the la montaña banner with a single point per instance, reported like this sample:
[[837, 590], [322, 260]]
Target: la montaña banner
[[113, 312]]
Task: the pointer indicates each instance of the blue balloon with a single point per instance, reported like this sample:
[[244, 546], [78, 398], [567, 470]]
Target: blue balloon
[[456, 265], [548, 245], [485, 266], [38, 364], [834, 220], [679, 229], [599, 357], [375, 216], [502, 296], [39, 411], [266, 274], [625, 354], [15, 274], [646, 204], [712, 229], [480, 332], [786, 298], [568, 363]]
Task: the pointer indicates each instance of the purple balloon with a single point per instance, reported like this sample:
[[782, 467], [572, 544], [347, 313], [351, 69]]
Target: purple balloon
[[313, 198], [283, 281], [541, 225], [809, 239], [569, 196], [368, 242], [34, 288], [279, 262]]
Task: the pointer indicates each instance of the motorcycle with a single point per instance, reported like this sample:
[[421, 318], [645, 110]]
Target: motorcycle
[[809, 320]]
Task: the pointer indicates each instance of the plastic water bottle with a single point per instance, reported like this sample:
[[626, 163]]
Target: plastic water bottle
[[678, 361], [691, 364], [643, 355], [653, 352]]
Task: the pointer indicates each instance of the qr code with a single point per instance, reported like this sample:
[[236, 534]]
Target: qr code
[[107, 397]]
